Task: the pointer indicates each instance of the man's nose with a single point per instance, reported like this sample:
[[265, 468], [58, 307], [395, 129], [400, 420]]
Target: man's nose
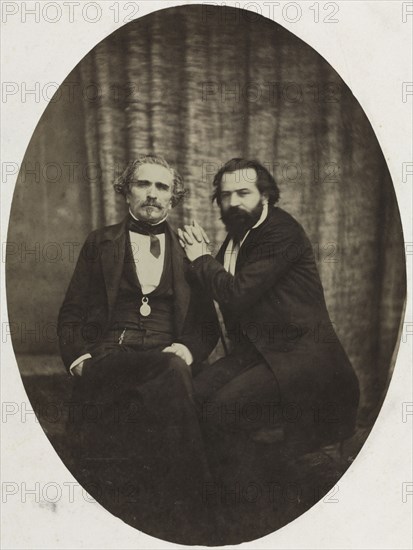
[[234, 200], [152, 192]]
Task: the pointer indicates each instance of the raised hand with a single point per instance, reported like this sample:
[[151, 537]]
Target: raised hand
[[194, 241]]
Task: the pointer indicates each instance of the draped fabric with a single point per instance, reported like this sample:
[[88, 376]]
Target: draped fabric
[[202, 85]]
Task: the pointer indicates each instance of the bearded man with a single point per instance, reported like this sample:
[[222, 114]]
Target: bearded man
[[286, 377]]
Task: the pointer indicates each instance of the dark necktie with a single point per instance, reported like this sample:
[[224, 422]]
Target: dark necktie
[[143, 228]]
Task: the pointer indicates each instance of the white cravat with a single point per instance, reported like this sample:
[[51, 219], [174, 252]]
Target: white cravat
[[232, 250]]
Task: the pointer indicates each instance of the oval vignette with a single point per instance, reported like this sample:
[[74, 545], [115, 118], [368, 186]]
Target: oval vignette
[[200, 85]]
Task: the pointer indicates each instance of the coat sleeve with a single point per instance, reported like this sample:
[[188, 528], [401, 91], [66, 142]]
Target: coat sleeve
[[73, 312], [266, 262]]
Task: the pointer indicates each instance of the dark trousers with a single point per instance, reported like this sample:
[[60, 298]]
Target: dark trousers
[[255, 434], [141, 449], [238, 396], [235, 400]]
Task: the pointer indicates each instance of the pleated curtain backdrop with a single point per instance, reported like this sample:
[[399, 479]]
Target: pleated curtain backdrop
[[202, 85]]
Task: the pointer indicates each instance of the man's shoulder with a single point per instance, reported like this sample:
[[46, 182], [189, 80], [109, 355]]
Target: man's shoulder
[[107, 232], [278, 214], [117, 231], [281, 220]]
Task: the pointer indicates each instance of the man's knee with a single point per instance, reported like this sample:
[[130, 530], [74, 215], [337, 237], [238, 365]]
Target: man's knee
[[218, 413], [177, 367]]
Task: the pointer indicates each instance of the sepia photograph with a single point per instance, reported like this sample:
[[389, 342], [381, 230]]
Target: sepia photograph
[[205, 274]]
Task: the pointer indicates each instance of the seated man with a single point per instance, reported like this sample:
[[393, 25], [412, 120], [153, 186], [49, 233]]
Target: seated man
[[130, 328], [287, 377]]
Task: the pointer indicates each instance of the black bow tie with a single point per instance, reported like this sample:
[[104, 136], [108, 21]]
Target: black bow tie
[[144, 228]]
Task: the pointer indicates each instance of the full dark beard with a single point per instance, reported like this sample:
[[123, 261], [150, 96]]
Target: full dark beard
[[238, 222]]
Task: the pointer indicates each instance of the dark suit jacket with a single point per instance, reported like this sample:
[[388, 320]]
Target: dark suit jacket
[[276, 299], [88, 305]]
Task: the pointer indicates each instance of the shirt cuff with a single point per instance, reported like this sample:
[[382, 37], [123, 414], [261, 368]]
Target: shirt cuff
[[187, 354], [78, 361]]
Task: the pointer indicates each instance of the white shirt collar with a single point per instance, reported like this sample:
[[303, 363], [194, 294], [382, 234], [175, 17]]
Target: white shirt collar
[[263, 216]]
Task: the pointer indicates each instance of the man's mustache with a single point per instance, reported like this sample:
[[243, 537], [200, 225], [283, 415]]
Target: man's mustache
[[235, 211], [150, 202]]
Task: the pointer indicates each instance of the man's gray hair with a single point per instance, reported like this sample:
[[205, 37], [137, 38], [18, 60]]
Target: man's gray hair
[[122, 184]]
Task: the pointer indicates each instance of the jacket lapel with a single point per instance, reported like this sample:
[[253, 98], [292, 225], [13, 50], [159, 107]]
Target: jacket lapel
[[253, 239], [245, 248], [130, 266], [112, 258], [221, 252], [181, 288]]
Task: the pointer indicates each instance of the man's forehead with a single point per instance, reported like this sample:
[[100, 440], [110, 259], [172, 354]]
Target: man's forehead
[[154, 172], [243, 178]]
